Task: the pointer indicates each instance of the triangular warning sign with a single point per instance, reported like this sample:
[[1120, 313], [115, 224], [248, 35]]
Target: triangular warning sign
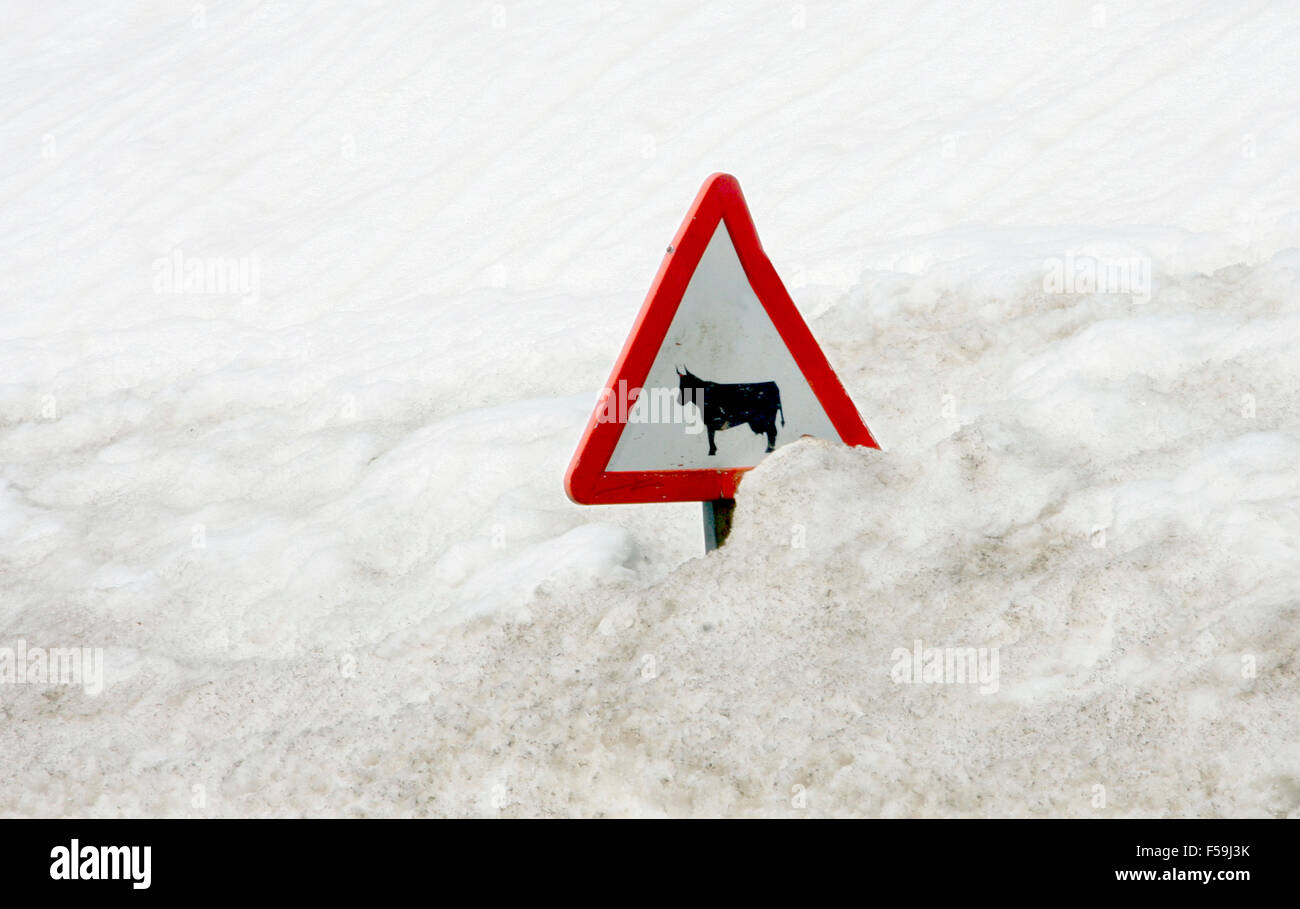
[[719, 370]]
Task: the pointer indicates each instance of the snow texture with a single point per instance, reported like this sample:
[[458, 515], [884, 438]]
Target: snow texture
[[305, 309]]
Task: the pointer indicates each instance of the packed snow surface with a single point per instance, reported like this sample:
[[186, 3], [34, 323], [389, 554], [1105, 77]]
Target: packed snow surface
[[309, 504]]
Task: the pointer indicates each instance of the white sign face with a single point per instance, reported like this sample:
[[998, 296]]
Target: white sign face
[[718, 371], [740, 377]]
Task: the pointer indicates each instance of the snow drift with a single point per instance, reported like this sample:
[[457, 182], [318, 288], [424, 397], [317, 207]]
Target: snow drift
[[313, 516]]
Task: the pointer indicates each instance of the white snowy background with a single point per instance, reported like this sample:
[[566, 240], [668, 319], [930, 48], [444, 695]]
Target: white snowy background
[[320, 532]]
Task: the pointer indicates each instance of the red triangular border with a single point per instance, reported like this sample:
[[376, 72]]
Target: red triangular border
[[720, 199]]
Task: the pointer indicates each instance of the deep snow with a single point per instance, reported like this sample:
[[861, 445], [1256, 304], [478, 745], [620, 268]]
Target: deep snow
[[318, 527]]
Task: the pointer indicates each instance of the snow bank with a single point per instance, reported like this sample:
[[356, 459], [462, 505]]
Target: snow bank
[[315, 522]]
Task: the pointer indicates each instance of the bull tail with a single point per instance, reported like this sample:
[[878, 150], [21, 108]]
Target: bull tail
[[779, 410]]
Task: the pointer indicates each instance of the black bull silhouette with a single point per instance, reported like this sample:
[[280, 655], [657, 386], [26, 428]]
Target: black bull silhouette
[[725, 406]]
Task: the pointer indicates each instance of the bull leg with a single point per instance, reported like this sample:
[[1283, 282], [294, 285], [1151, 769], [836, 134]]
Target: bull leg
[[761, 427], [713, 449]]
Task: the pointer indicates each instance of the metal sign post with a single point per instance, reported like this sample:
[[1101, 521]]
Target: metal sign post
[[717, 522]]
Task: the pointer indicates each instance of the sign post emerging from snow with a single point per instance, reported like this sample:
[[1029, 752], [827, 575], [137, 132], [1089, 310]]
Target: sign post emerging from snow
[[719, 370]]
